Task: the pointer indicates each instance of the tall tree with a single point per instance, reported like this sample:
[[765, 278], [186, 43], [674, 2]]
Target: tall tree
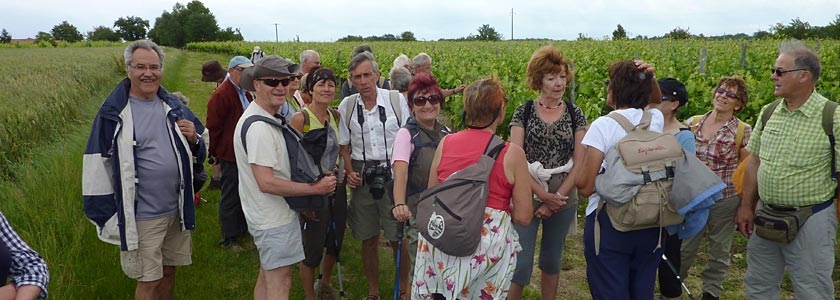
[[5, 37], [66, 32], [185, 24], [102, 33], [407, 36], [488, 33], [619, 33], [131, 28]]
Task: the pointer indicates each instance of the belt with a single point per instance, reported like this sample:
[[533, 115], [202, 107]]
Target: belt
[[814, 208], [369, 162]]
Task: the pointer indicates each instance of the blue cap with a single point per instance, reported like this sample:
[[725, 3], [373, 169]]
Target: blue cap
[[239, 61]]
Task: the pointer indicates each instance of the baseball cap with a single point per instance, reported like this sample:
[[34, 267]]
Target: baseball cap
[[240, 61], [673, 88]]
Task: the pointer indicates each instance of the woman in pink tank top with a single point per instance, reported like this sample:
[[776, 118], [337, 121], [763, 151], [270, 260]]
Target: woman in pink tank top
[[486, 273]]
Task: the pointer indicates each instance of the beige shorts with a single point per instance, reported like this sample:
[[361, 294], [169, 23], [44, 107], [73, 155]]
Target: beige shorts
[[367, 216], [161, 243]]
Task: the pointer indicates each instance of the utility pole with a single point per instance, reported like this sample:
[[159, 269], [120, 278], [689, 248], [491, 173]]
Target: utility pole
[[276, 39], [511, 23]]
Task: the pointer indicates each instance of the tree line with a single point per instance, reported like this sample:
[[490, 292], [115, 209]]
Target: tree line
[[195, 23], [184, 24]]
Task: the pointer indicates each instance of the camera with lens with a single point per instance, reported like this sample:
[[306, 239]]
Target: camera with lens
[[376, 177]]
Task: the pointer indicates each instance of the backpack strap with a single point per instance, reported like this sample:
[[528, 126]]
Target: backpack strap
[[395, 102], [305, 120], [258, 118], [739, 136], [828, 127], [767, 112], [529, 109], [350, 108], [643, 124]]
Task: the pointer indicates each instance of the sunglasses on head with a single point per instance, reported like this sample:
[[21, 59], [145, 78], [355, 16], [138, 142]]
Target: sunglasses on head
[[274, 82], [421, 100], [779, 72], [727, 93]]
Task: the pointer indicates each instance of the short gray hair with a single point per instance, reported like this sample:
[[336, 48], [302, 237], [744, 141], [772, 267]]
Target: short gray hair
[[401, 61], [142, 44], [306, 55], [363, 57], [362, 48], [803, 57], [422, 59], [400, 78]]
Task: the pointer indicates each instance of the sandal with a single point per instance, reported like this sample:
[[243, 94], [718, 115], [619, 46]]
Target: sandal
[[404, 295], [372, 297]]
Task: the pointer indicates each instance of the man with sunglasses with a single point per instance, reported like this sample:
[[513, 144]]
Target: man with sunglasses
[[265, 179], [790, 170], [369, 123], [225, 107]]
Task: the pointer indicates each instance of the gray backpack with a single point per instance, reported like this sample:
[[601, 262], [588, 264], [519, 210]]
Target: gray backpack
[[450, 214]]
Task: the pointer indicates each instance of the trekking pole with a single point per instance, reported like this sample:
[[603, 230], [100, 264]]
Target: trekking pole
[[677, 273], [400, 234], [338, 261]]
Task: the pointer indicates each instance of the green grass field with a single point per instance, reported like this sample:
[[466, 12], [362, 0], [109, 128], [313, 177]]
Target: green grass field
[[41, 194]]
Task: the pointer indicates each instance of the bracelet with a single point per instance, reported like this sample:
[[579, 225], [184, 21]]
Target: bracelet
[[397, 205]]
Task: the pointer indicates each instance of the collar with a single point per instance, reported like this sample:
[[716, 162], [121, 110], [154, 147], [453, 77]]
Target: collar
[[812, 106]]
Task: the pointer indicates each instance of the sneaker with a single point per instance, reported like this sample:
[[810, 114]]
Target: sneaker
[[708, 296], [215, 184]]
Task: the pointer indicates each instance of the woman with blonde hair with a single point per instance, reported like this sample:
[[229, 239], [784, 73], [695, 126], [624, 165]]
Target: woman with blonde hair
[[488, 271]]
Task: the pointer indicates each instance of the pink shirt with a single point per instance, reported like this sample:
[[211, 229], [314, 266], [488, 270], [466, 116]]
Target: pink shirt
[[402, 146], [463, 149]]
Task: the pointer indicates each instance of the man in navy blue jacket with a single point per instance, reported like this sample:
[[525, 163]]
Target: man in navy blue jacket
[[137, 174]]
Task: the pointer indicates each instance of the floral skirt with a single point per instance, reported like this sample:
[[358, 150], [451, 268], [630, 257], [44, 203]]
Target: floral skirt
[[484, 275]]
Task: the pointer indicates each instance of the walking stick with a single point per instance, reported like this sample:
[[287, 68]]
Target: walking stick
[[400, 235], [677, 273]]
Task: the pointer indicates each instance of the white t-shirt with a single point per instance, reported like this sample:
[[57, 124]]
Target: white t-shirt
[[371, 133], [266, 147], [606, 132]]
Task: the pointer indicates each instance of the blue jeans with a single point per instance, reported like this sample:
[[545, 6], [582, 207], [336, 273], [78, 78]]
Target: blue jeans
[[551, 246], [626, 266]]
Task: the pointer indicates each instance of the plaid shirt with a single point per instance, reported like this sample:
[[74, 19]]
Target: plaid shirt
[[794, 152], [28, 268], [719, 152]]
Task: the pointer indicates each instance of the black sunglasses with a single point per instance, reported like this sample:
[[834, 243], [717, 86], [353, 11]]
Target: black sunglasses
[[274, 82], [421, 101], [779, 71], [727, 93]]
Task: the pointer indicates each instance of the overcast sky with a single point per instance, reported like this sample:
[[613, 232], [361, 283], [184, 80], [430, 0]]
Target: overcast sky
[[328, 20]]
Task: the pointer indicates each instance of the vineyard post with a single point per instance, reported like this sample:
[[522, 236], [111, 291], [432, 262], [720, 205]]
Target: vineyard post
[[702, 68], [743, 55], [572, 86]]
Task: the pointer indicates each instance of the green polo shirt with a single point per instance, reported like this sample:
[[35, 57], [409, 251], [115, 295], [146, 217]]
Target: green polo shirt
[[794, 152]]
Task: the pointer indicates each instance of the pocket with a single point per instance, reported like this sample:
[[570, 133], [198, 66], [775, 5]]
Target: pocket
[[131, 263], [810, 150]]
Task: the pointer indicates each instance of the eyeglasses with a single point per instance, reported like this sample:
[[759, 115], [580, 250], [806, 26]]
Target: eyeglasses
[[779, 72], [727, 93], [296, 77], [669, 98], [421, 101], [153, 68], [274, 82]]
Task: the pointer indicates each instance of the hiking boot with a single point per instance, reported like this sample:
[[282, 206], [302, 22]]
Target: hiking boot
[[707, 296], [215, 184]]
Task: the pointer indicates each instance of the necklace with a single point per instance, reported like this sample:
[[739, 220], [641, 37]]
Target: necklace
[[549, 108]]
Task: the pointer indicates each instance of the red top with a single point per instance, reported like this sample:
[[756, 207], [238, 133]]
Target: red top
[[463, 149], [223, 112]]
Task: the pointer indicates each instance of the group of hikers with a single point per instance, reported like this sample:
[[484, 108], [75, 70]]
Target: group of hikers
[[384, 164]]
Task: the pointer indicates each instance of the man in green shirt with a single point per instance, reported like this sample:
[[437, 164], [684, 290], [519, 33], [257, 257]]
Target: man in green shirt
[[790, 168]]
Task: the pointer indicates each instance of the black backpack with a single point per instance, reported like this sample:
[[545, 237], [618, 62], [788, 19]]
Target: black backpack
[[450, 215], [302, 163]]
